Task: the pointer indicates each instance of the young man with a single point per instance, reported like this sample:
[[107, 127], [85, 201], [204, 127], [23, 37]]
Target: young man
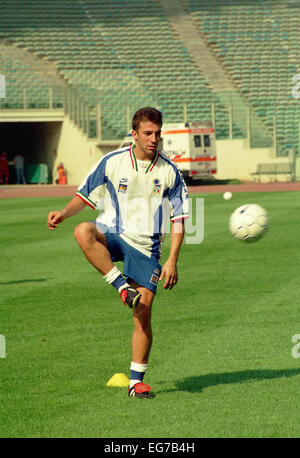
[[135, 188], [19, 167]]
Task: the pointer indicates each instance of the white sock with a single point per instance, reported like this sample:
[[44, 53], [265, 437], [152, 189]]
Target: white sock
[[115, 278], [137, 372], [112, 275]]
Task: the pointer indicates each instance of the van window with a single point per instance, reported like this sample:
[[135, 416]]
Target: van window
[[206, 140], [197, 141]]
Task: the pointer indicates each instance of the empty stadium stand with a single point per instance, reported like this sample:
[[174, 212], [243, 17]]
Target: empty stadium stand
[[127, 53], [257, 42]]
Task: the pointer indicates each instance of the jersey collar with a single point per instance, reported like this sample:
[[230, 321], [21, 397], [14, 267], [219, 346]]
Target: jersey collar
[[134, 161]]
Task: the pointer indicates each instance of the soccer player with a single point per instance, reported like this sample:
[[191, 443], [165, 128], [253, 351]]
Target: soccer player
[[138, 190]]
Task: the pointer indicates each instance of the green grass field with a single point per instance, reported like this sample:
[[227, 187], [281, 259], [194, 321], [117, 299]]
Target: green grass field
[[221, 362]]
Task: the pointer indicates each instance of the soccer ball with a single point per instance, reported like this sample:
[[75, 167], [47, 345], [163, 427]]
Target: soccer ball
[[227, 195], [249, 222]]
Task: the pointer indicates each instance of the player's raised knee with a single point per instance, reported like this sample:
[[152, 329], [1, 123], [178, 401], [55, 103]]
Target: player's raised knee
[[82, 232]]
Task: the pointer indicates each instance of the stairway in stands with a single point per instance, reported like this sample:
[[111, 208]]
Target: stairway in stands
[[214, 72]]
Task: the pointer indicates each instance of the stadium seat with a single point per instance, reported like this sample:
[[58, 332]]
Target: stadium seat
[[95, 47]]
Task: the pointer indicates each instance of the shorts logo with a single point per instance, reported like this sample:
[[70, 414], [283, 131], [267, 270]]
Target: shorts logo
[[157, 186], [122, 187], [154, 279]]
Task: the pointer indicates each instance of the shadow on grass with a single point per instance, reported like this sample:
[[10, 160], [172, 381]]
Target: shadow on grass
[[16, 282], [197, 384]]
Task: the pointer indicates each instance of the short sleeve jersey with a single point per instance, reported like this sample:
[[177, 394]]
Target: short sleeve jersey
[[136, 199]]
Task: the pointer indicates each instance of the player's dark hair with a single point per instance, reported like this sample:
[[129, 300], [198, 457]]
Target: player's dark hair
[[146, 114]]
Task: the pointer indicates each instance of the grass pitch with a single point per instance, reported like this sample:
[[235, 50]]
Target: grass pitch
[[221, 363]]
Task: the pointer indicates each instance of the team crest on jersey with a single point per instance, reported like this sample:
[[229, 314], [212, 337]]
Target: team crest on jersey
[[157, 186]]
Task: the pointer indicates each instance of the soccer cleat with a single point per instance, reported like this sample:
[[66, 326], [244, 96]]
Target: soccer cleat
[[130, 296], [141, 391]]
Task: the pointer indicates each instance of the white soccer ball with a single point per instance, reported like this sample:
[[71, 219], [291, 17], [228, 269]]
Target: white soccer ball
[[249, 222], [227, 195]]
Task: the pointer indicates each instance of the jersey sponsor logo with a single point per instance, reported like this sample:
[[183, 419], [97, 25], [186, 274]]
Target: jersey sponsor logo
[[122, 188]]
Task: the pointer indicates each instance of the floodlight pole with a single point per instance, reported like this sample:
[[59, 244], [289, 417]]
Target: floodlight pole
[[292, 159], [50, 98], [249, 127], [24, 99], [230, 117], [275, 132], [184, 113], [127, 119], [213, 115], [99, 122]]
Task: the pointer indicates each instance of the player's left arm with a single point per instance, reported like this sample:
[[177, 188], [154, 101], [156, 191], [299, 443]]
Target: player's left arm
[[169, 270]]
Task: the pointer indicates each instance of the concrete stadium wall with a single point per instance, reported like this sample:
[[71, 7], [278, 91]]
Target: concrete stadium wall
[[45, 142], [76, 152], [236, 160]]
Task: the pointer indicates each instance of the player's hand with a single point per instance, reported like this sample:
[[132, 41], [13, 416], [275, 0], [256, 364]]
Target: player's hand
[[54, 218], [169, 272]]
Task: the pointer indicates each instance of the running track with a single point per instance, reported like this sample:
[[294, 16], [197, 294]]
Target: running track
[[45, 190]]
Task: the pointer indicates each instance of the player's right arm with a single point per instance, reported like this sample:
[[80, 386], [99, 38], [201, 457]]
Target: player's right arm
[[75, 206]]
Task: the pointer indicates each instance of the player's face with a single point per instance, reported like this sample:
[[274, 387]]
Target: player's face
[[146, 138]]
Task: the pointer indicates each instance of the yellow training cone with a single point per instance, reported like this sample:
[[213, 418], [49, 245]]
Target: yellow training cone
[[118, 380]]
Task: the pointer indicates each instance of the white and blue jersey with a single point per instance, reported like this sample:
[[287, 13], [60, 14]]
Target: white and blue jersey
[[136, 199]]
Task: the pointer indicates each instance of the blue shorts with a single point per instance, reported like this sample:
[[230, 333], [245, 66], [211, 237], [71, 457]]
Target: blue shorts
[[137, 266]]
